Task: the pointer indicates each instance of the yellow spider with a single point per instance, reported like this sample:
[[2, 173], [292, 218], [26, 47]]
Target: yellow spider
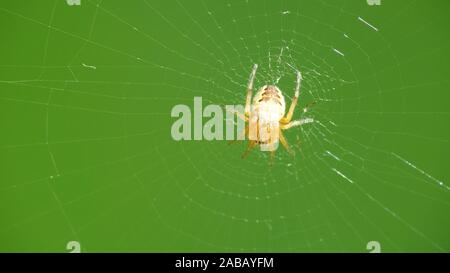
[[265, 118]]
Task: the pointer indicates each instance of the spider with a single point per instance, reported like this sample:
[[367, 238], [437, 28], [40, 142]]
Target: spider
[[265, 117]]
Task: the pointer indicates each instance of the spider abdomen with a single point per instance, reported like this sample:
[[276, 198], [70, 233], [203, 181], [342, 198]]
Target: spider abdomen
[[269, 104], [267, 109]]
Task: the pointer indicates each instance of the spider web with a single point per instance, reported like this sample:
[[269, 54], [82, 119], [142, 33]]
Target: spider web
[[87, 153]]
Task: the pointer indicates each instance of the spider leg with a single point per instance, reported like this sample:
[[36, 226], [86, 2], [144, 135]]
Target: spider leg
[[285, 144], [290, 113], [251, 145], [272, 157], [248, 100], [296, 123]]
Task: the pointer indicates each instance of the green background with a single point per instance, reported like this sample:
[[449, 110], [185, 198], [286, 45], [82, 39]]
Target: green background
[[85, 147]]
